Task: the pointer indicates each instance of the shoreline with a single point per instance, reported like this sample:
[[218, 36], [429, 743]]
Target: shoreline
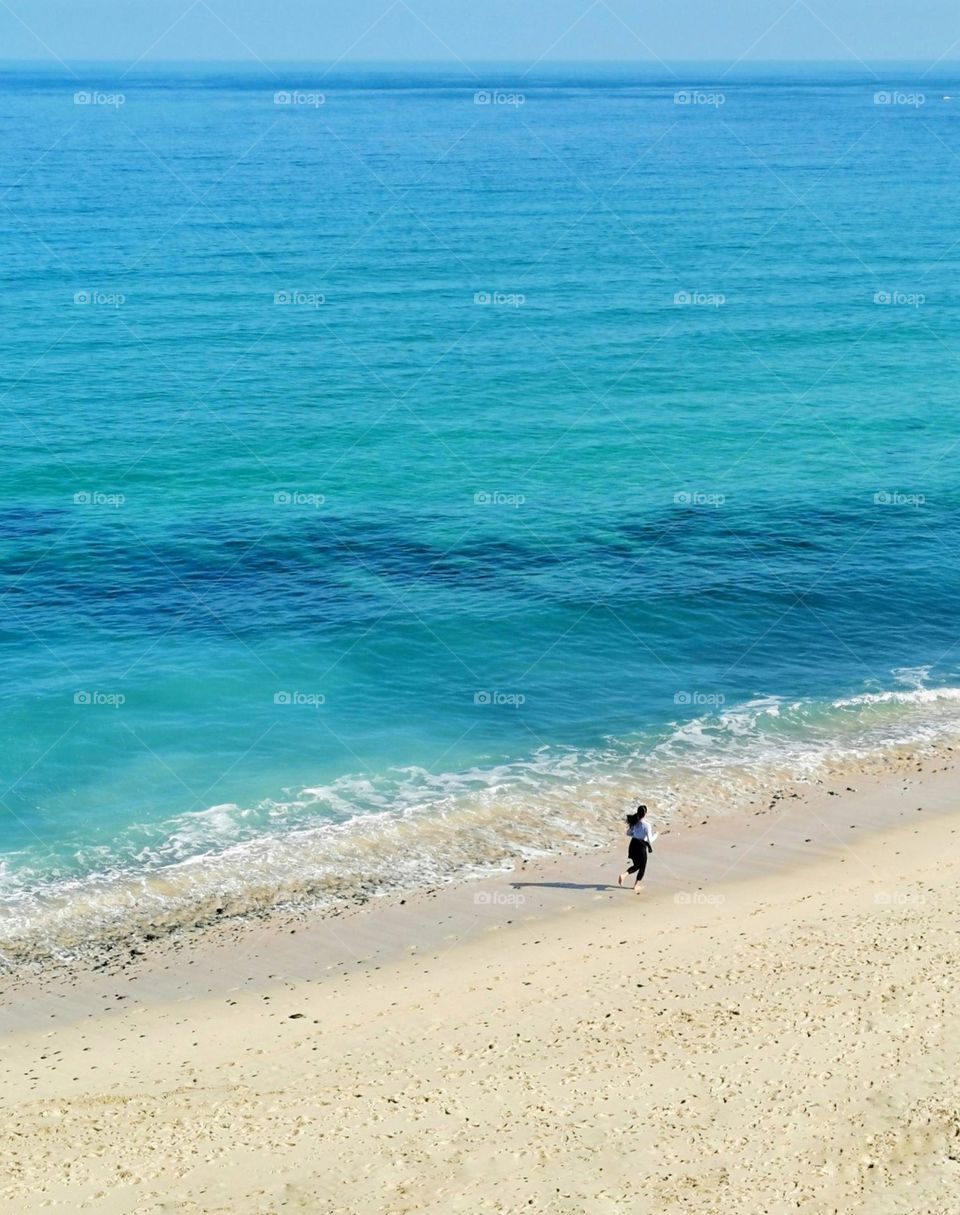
[[792, 829], [754, 754], [790, 1024]]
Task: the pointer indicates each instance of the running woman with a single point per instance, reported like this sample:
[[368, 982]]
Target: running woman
[[638, 848]]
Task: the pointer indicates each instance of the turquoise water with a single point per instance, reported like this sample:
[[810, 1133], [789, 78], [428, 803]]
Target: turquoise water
[[394, 483]]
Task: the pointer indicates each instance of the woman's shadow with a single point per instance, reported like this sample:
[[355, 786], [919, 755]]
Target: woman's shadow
[[567, 885]]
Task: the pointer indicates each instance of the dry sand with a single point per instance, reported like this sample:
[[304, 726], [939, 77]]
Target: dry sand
[[770, 1027]]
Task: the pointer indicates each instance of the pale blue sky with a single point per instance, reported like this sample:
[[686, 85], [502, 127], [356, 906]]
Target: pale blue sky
[[476, 30]]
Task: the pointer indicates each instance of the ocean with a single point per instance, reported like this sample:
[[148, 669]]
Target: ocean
[[406, 469]]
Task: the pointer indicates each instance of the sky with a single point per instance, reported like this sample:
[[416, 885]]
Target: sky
[[523, 31]]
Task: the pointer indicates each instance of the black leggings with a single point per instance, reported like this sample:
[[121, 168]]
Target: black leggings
[[637, 853]]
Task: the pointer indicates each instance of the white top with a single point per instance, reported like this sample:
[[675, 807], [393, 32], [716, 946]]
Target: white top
[[640, 831]]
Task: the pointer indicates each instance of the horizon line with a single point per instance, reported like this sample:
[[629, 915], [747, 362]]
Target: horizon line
[[446, 61]]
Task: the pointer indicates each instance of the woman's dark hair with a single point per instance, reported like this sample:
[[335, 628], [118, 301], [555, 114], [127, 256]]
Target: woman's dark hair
[[632, 820], [641, 811]]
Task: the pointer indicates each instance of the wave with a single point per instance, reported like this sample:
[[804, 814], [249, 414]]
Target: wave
[[361, 837]]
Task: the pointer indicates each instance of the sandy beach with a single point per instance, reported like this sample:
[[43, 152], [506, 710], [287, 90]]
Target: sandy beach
[[769, 1027]]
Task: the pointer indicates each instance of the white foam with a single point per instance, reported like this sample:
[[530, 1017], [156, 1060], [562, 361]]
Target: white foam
[[917, 696]]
